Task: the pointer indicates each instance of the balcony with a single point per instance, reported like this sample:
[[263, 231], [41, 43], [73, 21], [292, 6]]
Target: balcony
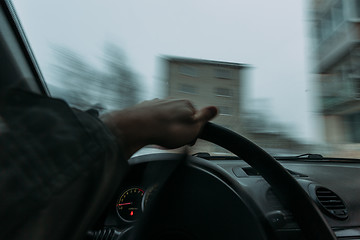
[[340, 97], [332, 49]]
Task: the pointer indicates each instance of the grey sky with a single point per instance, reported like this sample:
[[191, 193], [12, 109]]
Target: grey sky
[[268, 35]]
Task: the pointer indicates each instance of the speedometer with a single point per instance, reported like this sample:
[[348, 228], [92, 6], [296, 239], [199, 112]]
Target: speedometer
[[128, 205]]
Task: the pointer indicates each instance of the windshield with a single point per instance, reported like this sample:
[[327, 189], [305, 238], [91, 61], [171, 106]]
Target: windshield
[[282, 73]]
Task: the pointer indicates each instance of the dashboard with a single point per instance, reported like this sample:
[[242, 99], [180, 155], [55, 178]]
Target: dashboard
[[333, 185]]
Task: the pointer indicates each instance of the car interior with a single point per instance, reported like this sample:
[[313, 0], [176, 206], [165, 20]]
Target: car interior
[[247, 195]]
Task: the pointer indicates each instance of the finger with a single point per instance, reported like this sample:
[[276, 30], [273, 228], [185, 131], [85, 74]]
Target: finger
[[206, 114]]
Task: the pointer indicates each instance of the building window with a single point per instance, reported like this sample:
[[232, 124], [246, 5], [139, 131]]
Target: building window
[[353, 121], [224, 110], [356, 87], [330, 21], [187, 88], [222, 73], [188, 71], [224, 92], [355, 8], [337, 13], [326, 26], [318, 32]]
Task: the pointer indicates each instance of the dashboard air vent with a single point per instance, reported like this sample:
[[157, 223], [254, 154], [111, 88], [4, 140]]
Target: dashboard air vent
[[331, 203]]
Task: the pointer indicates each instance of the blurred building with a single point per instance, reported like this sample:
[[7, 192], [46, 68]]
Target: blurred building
[[207, 83], [336, 48], [223, 84]]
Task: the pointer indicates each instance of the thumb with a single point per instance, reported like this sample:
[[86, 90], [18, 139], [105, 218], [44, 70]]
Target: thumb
[[205, 114]]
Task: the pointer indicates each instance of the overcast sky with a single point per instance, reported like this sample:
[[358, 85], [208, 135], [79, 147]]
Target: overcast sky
[[271, 36]]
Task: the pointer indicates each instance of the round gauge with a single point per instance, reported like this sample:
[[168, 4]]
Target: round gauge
[[149, 195], [128, 205]]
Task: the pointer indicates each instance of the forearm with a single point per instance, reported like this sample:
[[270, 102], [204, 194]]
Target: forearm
[[52, 159]]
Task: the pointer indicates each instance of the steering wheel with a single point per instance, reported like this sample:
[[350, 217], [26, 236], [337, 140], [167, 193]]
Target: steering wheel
[[184, 207]]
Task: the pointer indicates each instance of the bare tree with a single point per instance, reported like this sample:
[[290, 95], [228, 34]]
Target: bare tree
[[119, 71], [113, 87]]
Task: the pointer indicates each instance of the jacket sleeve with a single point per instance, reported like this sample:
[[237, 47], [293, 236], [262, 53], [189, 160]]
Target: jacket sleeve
[[59, 168]]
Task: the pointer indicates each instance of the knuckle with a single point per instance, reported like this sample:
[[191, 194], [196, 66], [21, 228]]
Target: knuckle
[[188, 102]]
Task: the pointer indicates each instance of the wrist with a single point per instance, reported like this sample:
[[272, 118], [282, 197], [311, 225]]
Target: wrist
[[129, 130]]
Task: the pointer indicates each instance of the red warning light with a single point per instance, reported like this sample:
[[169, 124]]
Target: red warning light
[[131, 213]]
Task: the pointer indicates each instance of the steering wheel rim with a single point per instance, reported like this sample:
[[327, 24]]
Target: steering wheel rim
[[305, 211], [307, 214]]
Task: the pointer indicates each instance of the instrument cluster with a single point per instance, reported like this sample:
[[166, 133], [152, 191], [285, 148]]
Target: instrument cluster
[[132, 201]]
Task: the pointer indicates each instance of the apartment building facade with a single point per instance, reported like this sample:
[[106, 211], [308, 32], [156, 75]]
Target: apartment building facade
[[206, 82], [336, 49]]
